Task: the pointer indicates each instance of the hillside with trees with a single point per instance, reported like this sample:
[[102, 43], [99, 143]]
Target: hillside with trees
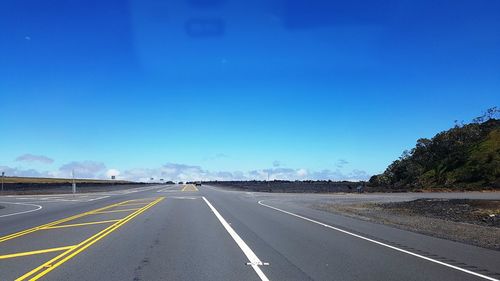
[[466, 157]]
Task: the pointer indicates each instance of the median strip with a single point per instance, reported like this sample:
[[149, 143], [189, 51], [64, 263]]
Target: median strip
[[52, 264], [31, 230]]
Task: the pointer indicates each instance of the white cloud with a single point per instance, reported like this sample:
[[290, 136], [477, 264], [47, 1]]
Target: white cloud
[[341, 163], [112, 172], [35, 158], [180, 172], [276, 163], [354, 175], [138, 174], [279, 174], [183, 172], [302, 173], [18, 172], [83, 169], [216, 157]]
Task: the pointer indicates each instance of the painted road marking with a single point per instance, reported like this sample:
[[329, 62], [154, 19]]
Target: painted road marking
[[115, 211], [15, 255], [132, 190], [30, 230], [79, 224], [382, 244], [52, 264], [134, 204], [37, 207], [168, 189], [189, 187], [98, 198], [57, 198], [252, 257]]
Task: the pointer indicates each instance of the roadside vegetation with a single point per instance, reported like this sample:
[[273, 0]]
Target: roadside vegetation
[[466, 157]]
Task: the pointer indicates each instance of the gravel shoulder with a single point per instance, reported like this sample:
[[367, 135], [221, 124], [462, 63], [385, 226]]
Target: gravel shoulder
[[471, 221]]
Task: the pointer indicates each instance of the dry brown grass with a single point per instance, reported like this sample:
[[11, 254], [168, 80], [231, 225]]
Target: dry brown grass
[[56, 180]]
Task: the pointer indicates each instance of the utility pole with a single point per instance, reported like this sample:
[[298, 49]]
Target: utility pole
[[74, 184]]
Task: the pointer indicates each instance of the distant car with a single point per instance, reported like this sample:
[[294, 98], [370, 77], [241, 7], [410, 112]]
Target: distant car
[[197, 183], [180, 182]]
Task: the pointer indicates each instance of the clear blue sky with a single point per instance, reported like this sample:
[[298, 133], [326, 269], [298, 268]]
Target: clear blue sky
[[218, 89]]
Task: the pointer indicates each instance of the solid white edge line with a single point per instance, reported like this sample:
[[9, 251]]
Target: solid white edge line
[[38, 207], [98, 198], [252, 257], [381, 244]]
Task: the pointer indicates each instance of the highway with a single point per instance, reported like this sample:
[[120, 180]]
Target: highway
[[184, 232]]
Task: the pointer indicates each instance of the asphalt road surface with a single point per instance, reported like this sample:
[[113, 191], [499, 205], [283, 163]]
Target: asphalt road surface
[[206, 233]]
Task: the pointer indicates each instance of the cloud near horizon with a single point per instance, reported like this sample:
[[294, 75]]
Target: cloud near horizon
[[82, 169], [182, 172], [34, 158], [216, 157], [19, 172], [341, 163]]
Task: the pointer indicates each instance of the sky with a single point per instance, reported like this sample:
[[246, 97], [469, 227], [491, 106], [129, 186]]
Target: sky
[[230, 90]]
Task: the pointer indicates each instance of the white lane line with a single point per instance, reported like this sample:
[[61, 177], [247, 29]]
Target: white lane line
[[54, 200], [254, 260], [382, 244], [38, 207], [98, 198]]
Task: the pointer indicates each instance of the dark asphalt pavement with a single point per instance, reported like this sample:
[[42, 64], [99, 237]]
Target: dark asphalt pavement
[[139, 236]]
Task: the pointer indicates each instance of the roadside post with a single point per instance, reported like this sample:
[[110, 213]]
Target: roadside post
[[268, 186], [3, 174], [74, 184]]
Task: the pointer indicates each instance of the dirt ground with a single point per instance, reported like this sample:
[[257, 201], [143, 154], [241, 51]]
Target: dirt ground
[[480, 212], [475, 222]]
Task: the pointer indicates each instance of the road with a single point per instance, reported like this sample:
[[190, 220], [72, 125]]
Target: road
[[207, 233]]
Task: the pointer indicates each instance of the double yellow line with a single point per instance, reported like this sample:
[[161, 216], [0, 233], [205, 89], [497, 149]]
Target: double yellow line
[[52, 264]]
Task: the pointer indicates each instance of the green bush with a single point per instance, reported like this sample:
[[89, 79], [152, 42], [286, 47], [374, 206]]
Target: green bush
[[467, 157]]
